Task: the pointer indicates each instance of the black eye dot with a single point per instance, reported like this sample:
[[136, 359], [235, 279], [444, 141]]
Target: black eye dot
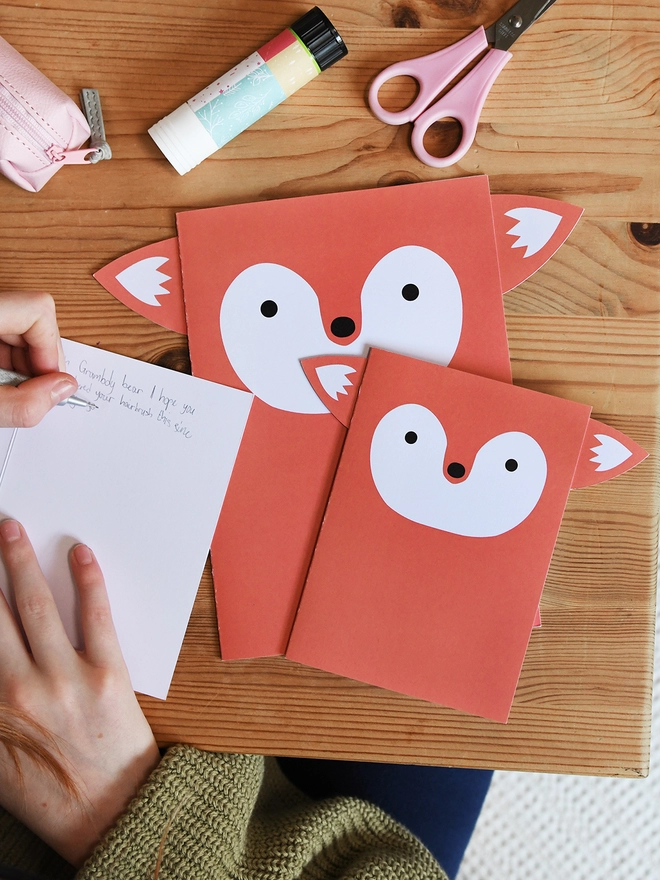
[[410, 292], [511, 464], [456, 470], [268, 308], [410, 437]]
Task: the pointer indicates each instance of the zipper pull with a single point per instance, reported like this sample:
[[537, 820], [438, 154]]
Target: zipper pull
[[91, 105], [72, 157]]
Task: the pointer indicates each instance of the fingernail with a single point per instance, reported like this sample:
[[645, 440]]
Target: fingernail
[[62, 389], [83, 554], [10, 530]]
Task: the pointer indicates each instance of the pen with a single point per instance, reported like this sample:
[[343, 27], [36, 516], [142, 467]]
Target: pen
[[9, 377]]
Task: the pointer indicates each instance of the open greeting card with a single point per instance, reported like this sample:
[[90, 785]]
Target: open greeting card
[[438, 534], [419, 270], [141, 480]]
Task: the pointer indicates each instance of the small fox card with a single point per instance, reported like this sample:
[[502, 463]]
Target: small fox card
[[438, 534]]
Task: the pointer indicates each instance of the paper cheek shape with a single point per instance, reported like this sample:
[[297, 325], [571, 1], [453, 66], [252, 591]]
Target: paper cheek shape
[[508, 475], [409, 469], [271, 318]]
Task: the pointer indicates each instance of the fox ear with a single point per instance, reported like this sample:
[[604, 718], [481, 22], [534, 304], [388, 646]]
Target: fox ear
[[336, 380], [529, 230], [605, 453], [148, 281]]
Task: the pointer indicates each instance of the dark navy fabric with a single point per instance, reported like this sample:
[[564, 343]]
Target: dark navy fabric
[[440, 805], [7, 873]]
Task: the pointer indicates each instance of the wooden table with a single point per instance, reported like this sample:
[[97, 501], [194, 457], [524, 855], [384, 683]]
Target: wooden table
[[573, 116]]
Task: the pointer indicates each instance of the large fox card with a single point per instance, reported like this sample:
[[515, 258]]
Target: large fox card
[[413, 269], [439, 531]]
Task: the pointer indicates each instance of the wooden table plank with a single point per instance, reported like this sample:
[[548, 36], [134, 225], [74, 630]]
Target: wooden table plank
[[601, 137], [573, 116]]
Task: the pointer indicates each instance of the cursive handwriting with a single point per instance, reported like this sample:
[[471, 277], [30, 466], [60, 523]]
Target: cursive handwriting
[[98, 386]]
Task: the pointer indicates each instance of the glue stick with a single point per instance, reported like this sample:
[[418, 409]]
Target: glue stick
[[262, 81]]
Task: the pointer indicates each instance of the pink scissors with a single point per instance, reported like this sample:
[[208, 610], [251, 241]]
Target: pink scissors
[[465, 100]]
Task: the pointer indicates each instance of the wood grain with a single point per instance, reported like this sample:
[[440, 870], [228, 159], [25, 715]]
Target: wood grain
[[574, 115]]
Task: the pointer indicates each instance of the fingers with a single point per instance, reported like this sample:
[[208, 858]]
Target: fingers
[[30, 317], [101, 644], [25, 405], [14, 658], [30, 343], [36, 607], [38, 612], [15, 357]]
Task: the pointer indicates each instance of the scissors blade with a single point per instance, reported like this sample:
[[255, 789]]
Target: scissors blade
[[506, 30]]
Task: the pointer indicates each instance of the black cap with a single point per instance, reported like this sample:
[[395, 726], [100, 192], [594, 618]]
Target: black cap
[[321, 37]]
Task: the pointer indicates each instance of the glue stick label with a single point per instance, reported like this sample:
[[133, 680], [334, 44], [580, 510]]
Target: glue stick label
[[252, 88]]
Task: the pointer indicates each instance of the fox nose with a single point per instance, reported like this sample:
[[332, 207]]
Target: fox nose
[[342, 327], [456, 470]]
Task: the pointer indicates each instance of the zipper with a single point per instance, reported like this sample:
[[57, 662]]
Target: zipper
[[43, 142], [33, 132]]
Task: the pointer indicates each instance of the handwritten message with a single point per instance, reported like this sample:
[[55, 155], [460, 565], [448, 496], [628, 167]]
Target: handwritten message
[[110, 387]]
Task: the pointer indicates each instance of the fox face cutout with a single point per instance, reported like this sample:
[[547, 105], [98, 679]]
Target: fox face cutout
[[527, 231], [270, 319], [410, 472], [606, 452], [439, 530], [416, 270]]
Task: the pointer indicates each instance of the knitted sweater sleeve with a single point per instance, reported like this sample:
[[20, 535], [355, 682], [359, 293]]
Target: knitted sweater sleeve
[[225, 817]]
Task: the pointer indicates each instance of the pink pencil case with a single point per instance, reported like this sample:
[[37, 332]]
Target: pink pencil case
[[41, 128]]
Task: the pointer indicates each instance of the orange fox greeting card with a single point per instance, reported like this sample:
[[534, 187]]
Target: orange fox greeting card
[[439, 531]]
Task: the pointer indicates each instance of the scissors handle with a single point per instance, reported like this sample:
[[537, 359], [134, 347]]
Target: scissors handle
[[433, 73], [464, 103]]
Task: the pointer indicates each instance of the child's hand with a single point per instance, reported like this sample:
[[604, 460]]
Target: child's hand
[[30, 344], [84, 699]]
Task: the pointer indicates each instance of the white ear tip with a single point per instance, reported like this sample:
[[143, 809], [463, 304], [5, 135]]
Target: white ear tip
[[535, 228], [334, 379], [143, 280], [610, 454]]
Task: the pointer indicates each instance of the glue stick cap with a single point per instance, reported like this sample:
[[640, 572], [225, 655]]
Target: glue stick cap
[[321, 37], [182, 139]]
